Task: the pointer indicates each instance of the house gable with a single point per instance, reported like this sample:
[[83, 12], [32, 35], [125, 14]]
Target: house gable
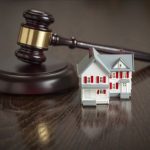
[[87, 61], [94, 69], [110, 60], [99, 61], [120, 64]]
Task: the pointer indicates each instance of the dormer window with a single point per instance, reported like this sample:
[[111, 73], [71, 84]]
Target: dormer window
[[120, 64]]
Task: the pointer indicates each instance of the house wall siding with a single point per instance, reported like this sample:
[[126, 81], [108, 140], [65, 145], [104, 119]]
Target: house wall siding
[[116, 80], [94, 70]]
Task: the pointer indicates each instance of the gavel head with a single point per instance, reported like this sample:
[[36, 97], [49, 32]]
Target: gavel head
[[34, 36]]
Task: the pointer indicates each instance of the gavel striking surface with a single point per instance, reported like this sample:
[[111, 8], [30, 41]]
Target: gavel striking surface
[[53, 76]]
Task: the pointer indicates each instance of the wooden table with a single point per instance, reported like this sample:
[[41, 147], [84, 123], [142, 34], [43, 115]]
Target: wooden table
[[59, 121]]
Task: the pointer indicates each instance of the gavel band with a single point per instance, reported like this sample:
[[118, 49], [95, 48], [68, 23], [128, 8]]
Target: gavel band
[[33, 37]]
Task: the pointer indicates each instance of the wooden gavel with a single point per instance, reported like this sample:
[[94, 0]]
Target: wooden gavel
[[35, 37]]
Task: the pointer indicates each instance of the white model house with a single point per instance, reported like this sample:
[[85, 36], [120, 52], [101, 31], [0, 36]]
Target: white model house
[[105, 75]]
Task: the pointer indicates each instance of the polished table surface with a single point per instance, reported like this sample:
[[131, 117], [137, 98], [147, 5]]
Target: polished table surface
[[59, 121]]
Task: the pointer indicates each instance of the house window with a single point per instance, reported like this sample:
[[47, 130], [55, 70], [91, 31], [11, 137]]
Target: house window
[[89, 79], [124, 84], [124, 74], [114, 86], [101, 79], [101, 91], [120, 65], [114, 75]]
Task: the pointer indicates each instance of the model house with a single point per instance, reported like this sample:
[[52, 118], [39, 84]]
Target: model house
[[105, 75]]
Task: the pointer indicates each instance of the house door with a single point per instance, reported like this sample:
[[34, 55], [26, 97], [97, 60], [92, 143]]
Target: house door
[[123, 87]]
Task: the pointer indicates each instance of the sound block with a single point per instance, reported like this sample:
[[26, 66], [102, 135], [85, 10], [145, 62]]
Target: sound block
[[53, 76]]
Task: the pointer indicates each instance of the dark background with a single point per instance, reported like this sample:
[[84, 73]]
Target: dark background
[[59, 121]]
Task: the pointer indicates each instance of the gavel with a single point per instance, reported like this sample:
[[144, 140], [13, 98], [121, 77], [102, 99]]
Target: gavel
[[35, 37]]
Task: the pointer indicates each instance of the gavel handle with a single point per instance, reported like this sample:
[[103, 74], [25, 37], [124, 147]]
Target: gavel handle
[[73, 43]]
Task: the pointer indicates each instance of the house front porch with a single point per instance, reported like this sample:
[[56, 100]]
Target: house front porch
[[92, 95]]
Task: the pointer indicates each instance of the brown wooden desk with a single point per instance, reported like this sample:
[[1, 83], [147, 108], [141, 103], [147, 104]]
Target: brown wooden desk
[[59, 121]]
